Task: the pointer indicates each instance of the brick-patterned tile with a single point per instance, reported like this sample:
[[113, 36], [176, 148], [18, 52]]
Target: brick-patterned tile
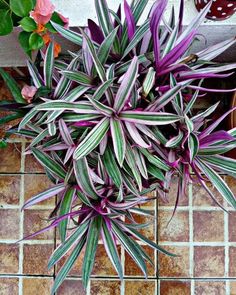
[[71, 287], [9, 224], [137, 287], [232, 264], [10, 189], [232, 227], [131, 268], [104, 287], [35, 220], [10, 158], [208, 226], [202, 199], [35, 184], [37, 286], [171, 196], [9, 260], [8, 286], [209, 288], [32, 165], [36, 259], [209, 261], [174, 267], [175, 287], [178, 228]]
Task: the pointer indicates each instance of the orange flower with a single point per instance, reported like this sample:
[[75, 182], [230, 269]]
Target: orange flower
[[40, 28], [57, 49], [46, 39]]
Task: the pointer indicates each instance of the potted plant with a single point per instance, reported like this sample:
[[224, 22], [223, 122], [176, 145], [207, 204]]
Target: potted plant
[[115, 121]]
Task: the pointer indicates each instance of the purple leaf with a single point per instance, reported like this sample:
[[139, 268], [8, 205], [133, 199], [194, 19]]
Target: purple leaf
[[95, 31], [129, 20], [214, 137], [156, 17]]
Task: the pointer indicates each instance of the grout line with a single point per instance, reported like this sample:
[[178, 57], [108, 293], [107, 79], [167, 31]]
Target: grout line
[[88, 288], [21, 222], [196, 208], [191, 247], [206, 244], [226, 238]]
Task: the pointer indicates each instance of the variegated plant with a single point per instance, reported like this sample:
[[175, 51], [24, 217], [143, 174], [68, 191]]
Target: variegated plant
[[115, 121]]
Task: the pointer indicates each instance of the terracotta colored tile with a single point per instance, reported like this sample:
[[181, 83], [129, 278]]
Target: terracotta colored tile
[[232, 227], [232, 288], [171, 196], [35, 220], [37, 286], [208, 226], [10, 190], [209, 288], [71, 287], [148, 231], [105, 287], [102, 265], [139, 287], [35, 184], [131, 268], [231, 181], [8, 286], [36, 259], [9, 224], [209, 261], [201, 198], [32, 165], [9, 261], [175, 267], [232, 259], [177, 229], [10, 158], [175, 288]]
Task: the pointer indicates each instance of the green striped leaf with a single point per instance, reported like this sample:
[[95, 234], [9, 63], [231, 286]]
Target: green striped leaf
[[127, 85], [61, 250], [79, 117], [67, 266], [217, 181], [130, 158], [78, 107], [102, 108], [91, 247], [65, 208], [156, 172], [102, 89], [175, 141], [111, 249], [49, 65], [118, 139], [103, 16], [92, 140], [128, 244], [83, 178], [49, 163], [193, 145], [149, 81], [78, 77], [149, 118], [13, 86], [68, 34], [139, 34], [112, 167], [154, 160], [221, 163], [34, 74]]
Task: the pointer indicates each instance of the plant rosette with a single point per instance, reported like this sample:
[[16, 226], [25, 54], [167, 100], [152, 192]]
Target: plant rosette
[[115, 122], [33, 17]]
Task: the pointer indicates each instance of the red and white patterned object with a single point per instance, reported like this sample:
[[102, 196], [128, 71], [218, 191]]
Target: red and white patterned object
[[220, 9]]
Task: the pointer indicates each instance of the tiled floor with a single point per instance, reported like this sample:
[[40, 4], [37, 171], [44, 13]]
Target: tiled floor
[[201, 234]]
